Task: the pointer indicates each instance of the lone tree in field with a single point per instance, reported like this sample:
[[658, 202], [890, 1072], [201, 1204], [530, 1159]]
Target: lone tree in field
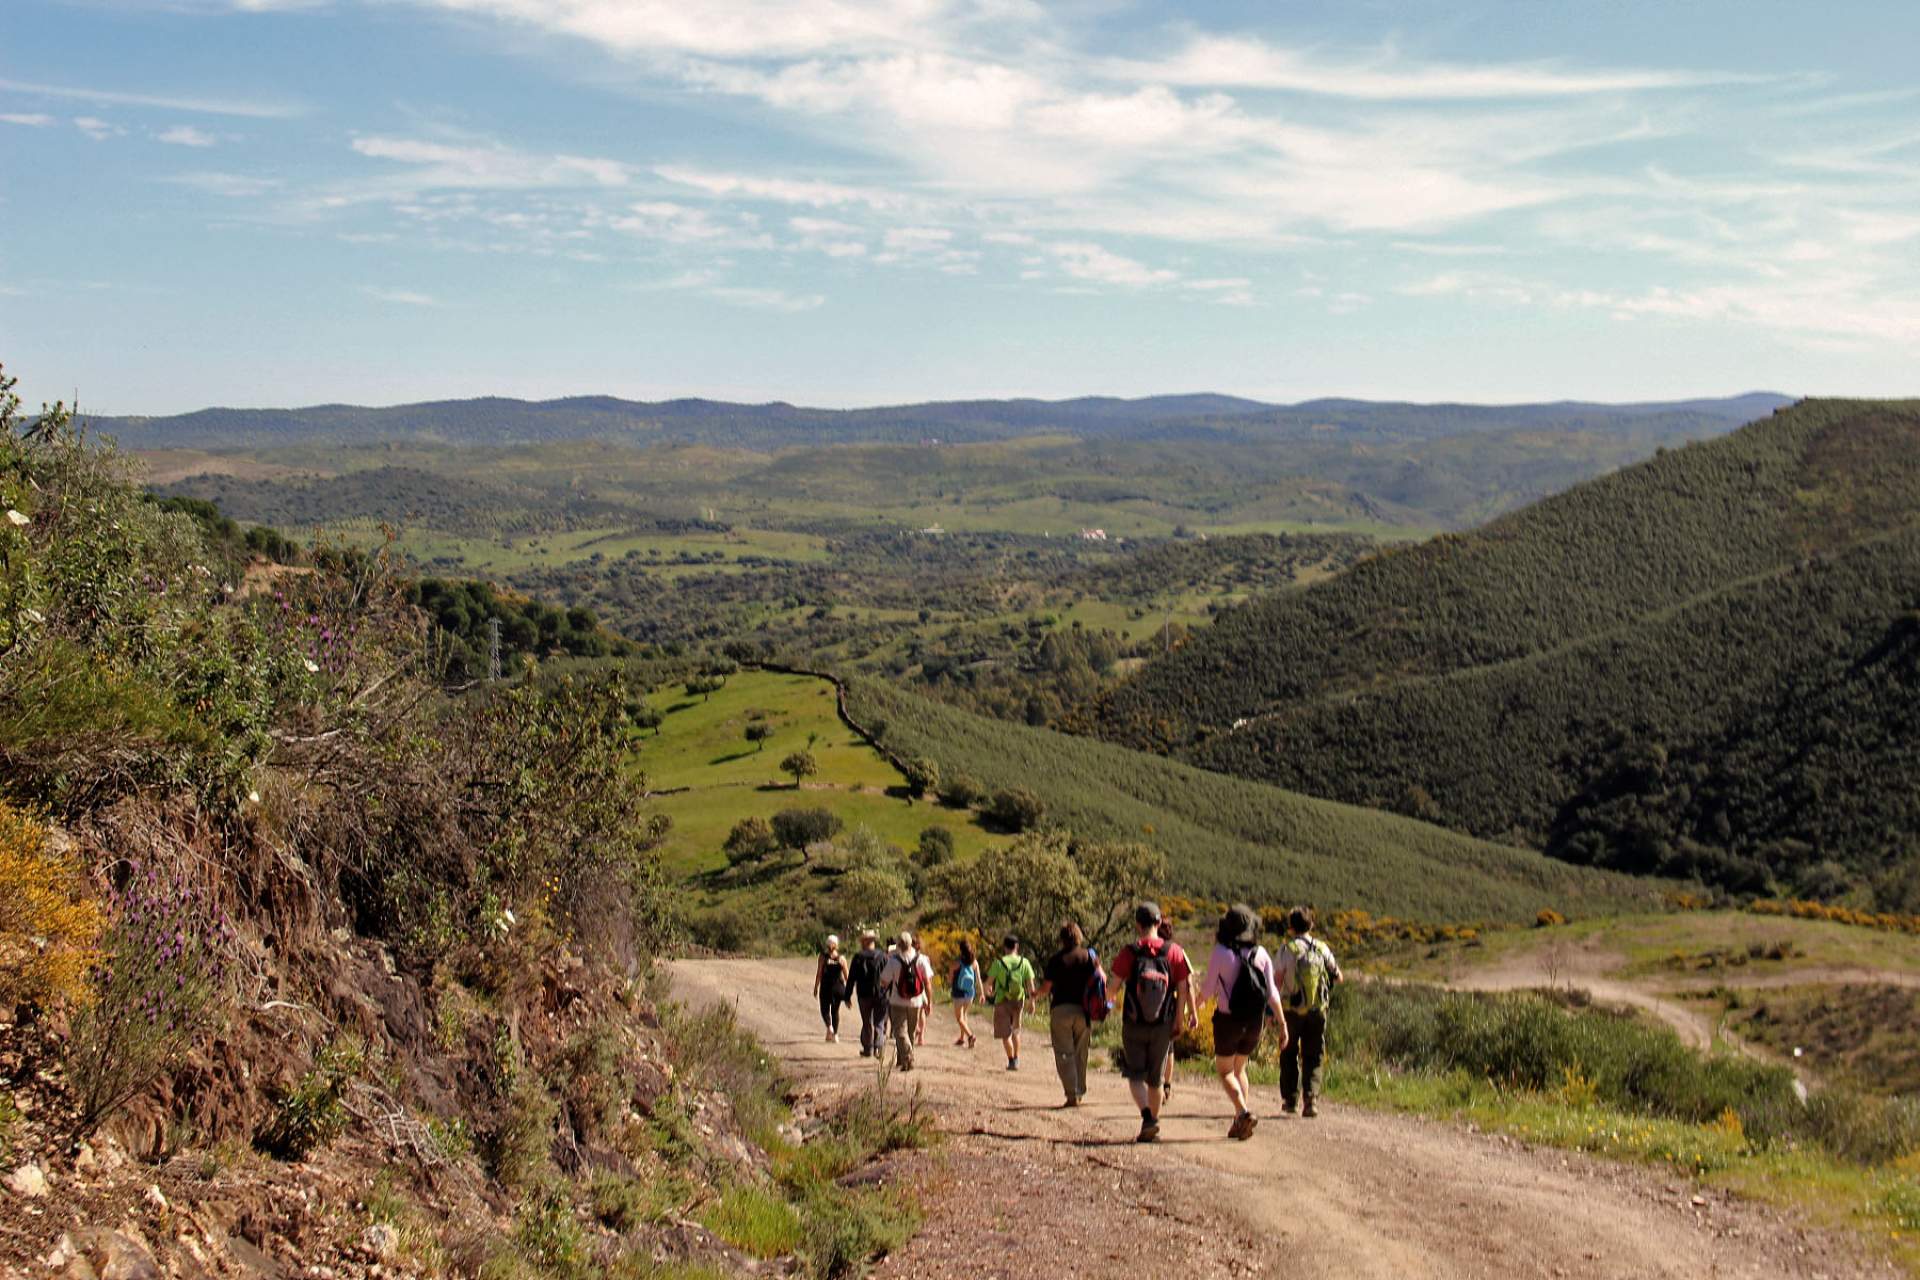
[[750, 840], [757, 732], [705, 686], [923, 776], [801, 765]]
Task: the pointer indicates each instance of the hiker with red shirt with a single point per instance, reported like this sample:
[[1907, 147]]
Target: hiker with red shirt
[[1154, 976], [1246, 993]]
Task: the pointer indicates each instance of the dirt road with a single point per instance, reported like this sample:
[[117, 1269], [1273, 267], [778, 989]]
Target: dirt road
[[1027, 1189]]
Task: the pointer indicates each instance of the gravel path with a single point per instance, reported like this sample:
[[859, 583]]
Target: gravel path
[[1027, 1189]]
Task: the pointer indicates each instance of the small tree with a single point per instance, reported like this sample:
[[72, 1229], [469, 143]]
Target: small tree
[[936, 848], [757, 732], [646, 717], [750, 840], [801, 765], [798, 828], [868, 894], [961, 791], [704, 687], [923, 775], [1017, 809]]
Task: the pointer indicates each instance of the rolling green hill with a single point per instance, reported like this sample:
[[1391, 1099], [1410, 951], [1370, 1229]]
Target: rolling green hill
[[1707, 664], [1227, 838]]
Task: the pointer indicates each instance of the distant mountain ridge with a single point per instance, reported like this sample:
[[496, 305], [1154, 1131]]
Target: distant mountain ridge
[[496, 420]]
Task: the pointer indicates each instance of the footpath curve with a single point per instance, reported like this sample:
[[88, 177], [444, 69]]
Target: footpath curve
[[1026, 1189]]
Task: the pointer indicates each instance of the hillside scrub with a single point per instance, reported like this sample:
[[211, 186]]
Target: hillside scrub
[[1230, 839], [302, 913], [1668, 670]]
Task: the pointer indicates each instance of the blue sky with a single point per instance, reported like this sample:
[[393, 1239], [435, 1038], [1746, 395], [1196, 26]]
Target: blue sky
[[271, 202]]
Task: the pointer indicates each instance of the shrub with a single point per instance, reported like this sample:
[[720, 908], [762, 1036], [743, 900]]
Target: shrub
[[961, 791], [1016, 809], [49, 925], [315, 1112], [1548, 918], [164, 983], [518, 1146], [750, 840], [922, 775], [870, 896], [724, 928], [935, 849], [798, 828]]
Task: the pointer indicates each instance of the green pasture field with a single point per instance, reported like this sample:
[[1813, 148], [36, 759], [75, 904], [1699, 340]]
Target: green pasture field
[[701, 747]]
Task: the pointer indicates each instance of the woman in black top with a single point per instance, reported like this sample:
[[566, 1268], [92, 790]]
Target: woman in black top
[[1065, 978], [830, 984]]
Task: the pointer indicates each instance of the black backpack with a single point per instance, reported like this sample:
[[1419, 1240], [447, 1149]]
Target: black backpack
[[1149, 987], [866, 974], [1252, 990]]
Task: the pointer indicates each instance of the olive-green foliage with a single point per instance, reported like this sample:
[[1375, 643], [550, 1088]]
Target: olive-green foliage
[[1528, 1041], [1016, 809], [314, 1112], [1677, 668], [464, 610], [517, 1144], [1042, 880], [798, 828], [1231, 839], [755, 1221]]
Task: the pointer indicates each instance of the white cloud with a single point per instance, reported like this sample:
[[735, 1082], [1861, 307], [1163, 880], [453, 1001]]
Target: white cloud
[[765, 299], [399, 297], [818, 195], [165, 102], [722, 28], [1247, 63], [31, 119], [234, 186], [96, 128], [679, 224], [481, 165], [1090, 262], [185, 135]]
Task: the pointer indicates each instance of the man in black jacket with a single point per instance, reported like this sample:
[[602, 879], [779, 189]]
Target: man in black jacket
[[864, 977]]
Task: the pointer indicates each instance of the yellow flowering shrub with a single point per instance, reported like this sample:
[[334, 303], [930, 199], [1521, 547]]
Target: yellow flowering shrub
[[49, 924]]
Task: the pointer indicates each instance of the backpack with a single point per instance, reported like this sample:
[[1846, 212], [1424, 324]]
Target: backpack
[[1149, 987], [1094, 999], [963, 982], [866, 974], [1251, 990], [1307, 990], [912, 982]]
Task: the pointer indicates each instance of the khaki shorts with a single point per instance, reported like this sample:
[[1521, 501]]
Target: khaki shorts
[[1006, 1018]]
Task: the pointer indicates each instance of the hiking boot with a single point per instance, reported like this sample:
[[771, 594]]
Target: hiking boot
[[1309, 1111], [1013, 1064], [1149, 1131], [1071, 1102], [1249, 1122], [1289, 1106], [1238, 1129]]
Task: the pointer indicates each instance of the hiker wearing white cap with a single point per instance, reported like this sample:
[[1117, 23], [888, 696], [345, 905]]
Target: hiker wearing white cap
[[830, 985], [908, 980]]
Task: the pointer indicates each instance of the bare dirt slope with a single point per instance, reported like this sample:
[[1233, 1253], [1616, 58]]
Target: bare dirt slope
[[1026, 1189]]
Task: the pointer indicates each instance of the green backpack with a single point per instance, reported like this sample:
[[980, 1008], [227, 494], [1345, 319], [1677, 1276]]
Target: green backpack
[[1307, 990]]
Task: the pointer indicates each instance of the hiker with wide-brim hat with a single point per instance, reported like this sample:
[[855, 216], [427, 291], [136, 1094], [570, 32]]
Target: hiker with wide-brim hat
[[1245, 992], [869, 963]]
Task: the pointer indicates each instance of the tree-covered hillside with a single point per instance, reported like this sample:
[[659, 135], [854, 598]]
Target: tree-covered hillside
[[1677, 668]]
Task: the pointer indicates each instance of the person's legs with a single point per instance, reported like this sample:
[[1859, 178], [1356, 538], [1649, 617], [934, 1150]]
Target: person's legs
[[1231, 1069], [1082, 1048], [903, 1021], [1290, 1064], [1313, 1047], [868, 1020], [1060, 1027], [1006, 1029]]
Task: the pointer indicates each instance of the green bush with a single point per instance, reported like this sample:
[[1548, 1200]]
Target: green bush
[[754, 1221], [314, 1113]]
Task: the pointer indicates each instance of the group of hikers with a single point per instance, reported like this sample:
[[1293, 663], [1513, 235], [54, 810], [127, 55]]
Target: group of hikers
[[1250, 988]]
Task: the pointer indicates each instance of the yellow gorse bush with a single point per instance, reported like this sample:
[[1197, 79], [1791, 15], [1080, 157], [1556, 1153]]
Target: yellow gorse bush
[[49, 924]]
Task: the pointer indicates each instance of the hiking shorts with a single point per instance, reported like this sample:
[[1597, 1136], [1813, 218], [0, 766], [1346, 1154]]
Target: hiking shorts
[[1144, 1049], [1006, 1018], [1236, 1037]]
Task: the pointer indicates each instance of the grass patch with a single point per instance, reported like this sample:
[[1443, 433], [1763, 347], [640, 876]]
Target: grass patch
[[754, 1221]]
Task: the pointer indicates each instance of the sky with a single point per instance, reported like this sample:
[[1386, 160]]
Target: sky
[[843, 202]]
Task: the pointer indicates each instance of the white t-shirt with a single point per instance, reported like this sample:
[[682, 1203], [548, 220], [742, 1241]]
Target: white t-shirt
[[890, 978]]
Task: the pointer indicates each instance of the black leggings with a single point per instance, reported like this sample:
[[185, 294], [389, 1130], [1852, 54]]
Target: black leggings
[[830, 1001]]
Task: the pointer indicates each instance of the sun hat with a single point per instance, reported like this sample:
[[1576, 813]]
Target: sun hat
[[1239, 924]]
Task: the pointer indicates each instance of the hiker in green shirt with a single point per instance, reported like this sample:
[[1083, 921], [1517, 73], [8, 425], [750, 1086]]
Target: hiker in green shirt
[[1010, 980], [1305, 972]]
